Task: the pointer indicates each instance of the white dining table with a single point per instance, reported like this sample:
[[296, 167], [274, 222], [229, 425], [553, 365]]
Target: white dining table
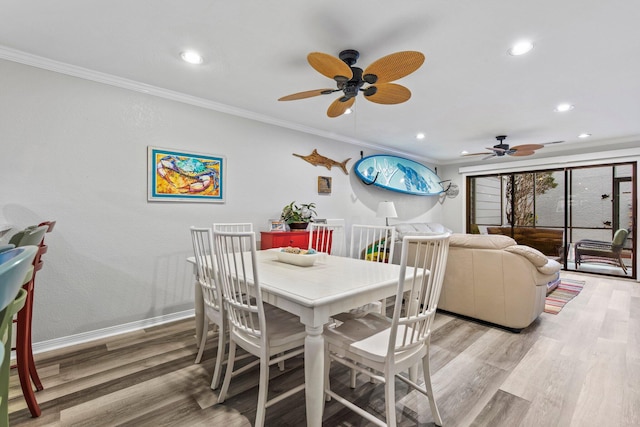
[[332, 285]]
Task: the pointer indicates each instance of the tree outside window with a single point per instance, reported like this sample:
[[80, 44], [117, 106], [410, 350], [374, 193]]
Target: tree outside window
[[520, 192]]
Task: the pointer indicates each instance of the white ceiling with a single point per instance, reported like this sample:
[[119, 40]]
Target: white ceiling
[[468, 91]]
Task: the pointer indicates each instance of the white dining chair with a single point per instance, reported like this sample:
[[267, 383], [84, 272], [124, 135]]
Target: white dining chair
[[232, 226], [372, 242], [327, 238], [202, 239], [384, 348], [269, 333]]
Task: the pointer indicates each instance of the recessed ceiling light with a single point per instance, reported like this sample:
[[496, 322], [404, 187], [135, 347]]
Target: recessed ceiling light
[[584, 135], [561, 108], [420, 135], [192, 57], [463, 152], [520, 48], [348, 111]]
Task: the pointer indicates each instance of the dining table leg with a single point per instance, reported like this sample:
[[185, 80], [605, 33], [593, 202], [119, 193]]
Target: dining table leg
[[314, 375]]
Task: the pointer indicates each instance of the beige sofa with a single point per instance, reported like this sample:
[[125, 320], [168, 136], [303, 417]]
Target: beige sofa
[[492, 278]]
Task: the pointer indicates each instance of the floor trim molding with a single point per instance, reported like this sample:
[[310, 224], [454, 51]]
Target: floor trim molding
[[85, 337]]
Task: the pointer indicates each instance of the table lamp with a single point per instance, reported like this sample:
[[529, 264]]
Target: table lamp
[[386, 210]]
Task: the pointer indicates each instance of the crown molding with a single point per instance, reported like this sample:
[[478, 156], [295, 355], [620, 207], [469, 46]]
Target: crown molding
[[100, 77]]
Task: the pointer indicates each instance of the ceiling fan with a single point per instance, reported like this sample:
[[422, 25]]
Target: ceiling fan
[[350, 79], [501, 149]]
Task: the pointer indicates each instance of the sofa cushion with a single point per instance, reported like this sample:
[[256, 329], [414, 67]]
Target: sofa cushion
[[419, 229], [481, 241], [536, 257]]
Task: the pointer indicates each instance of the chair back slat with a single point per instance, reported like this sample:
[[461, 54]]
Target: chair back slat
[[206, 270], [238, 276], [232, 226], [327, 238], [411, 324], [372, 242]]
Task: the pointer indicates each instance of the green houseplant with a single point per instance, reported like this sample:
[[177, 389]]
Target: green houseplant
[[298, 216]]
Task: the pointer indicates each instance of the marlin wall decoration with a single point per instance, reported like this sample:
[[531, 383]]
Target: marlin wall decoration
[[316, 159]]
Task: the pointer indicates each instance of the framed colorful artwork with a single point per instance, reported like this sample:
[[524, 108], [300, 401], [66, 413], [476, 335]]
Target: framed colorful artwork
[[177, 176]]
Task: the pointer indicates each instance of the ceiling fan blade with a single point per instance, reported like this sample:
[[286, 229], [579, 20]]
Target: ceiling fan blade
[[393, 67], [527, 147], [476, 154], [338, 107], [389, 93], [552, 142], [489, 156], [307, 94], [522, 153], [330, 66]]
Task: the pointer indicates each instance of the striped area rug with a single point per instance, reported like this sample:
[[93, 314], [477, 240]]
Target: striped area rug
[[562, 294]]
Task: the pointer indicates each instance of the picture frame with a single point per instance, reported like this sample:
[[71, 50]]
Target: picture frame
[[182, 176], [277, 225], [324, 185]]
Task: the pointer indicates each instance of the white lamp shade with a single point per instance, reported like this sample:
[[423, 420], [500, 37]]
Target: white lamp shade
[[386, 210]]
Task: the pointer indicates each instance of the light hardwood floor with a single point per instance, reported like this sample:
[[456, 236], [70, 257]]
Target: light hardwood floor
[[578, 368]]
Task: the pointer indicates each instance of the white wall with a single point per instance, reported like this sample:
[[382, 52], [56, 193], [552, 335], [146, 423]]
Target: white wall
[[453, 209], [75, 151]]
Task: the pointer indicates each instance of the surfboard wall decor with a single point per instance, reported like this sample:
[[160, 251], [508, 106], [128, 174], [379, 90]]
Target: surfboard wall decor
[[398, 174]]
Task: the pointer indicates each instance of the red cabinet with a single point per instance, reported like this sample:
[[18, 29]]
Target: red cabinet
[[280, 239]]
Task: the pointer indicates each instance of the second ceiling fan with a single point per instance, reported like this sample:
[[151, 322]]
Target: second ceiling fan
[[502, 149], [350, 80]]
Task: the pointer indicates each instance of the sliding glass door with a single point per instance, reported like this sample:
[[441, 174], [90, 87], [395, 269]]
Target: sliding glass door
[[568, 214], [601, 203]]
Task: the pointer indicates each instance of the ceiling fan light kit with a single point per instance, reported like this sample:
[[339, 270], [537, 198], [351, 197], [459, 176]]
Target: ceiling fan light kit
[[351, 80], [561, 108], [521, 48], [192, 57]]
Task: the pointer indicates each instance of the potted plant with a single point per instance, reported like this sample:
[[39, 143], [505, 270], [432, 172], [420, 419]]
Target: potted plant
[[298, 216]]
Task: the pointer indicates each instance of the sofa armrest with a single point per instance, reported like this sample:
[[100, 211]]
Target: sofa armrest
[[536, 257], [551, 267]]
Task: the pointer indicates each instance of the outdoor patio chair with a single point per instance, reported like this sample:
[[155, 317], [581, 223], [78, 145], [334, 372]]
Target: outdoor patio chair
[[588, 250]]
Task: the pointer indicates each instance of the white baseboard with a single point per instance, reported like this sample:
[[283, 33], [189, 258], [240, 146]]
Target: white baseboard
[[54, 344]]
